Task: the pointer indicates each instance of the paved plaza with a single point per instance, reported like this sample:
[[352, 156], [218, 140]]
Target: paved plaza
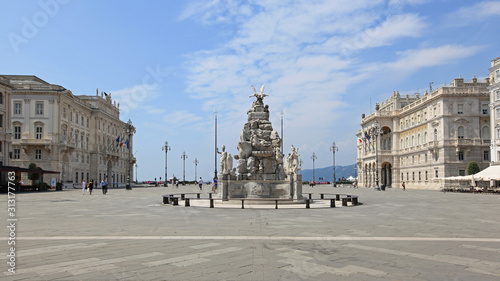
[[131, 235]]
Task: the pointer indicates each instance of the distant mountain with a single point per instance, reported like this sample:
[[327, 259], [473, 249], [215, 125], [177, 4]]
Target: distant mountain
[[327, 173]]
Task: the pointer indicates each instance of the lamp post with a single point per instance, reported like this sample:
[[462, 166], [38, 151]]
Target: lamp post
[[300, 165], [136, 179], [314, 157], [184, 156], [215, 158], [129, 131], [334, 148], [195, 168], [376, 131], [166, 148], [282, 131]]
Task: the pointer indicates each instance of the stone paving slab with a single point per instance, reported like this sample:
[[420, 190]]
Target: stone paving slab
[[131, 235]]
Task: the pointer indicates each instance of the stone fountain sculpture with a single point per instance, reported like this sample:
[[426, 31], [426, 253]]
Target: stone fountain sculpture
[[260, 170]]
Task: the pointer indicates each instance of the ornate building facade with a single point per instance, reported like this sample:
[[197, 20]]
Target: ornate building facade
[[5, 124], [495, 110], [82, 137], [416, 139]]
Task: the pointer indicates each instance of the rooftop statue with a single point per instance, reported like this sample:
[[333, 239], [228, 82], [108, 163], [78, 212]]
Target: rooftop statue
[[259, 96]]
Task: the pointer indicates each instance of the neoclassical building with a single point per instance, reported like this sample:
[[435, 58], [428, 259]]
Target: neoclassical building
[[5, 124], [495, 110], [416, 139], [82, 137]]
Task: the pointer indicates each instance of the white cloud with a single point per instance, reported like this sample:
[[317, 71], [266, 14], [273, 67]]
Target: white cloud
[[476, 13], [413, 60], [134, 97]]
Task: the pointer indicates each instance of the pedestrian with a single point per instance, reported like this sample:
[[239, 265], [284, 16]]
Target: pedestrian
[[200, 183], [104, 186], [91, 186], [177, 183], [214, 186], [84, 187], [404, 186]]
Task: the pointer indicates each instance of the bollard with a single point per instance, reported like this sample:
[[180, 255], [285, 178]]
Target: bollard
[[211, 203], [344, 201], [332, 203], [337, 197], [182, 196], [186, 202], [175, 201], [310, 196], [165, 199], [198, 195], [307, 203], [355, 200], [210, 195], [322, 196], [242, 204], [276, 204]]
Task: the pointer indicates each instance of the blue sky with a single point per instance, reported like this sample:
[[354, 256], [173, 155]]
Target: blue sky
[[171, 64]]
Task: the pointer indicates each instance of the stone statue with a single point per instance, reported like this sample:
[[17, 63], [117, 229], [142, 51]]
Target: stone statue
[[288, 164], [223, 160], [259, 96], [229, 163], [295, 161]]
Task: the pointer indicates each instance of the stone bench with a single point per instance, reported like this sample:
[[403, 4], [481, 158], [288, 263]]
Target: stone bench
[[170, 198], [276, 200]]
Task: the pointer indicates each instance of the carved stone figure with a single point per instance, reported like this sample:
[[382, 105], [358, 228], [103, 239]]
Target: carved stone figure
[[295, 161], [223, 160]]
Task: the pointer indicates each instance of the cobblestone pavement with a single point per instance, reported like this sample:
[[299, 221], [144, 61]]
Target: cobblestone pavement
[[131, 235]]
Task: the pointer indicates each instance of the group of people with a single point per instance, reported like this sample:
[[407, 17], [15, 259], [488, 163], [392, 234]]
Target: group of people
[[214, 184], [90, 187]]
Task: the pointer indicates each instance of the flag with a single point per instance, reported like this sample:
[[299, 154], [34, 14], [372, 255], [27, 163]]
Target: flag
[[121, 144], [360, 140], [126, 142], [367, 136], [118, 140]]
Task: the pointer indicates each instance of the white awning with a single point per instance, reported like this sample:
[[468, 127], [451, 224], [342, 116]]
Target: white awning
[[490, 173]]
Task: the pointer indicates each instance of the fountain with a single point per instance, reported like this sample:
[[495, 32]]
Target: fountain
[[260, 170]]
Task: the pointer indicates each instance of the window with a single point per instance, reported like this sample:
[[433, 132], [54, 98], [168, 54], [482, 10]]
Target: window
[[64, 112], [485, 132], [39, 133], [407, 177], [436, 174], [498, 95], [83, 121], [461, 172], [63, 134], [461, 132], [486, 155], [435, 111], [17, 132], [419, 176], [17, 153], [76, 177], [81, 141], [38, 154], [413, 159], [484, 109], [39, 108], [460, 155], [1, 121], [1, 147], [17, 108], [76, 118], [413, 176], [425, 116], [88, 122], [402, 177], [497, 73], [1, 98], [87, 143], [426, 176], [88, 159], [435, 134], [425, 158], [498, 113], [460, 109], [76, 158]]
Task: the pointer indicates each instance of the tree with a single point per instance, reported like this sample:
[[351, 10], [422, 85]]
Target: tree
[[33, 176], [473, 168]]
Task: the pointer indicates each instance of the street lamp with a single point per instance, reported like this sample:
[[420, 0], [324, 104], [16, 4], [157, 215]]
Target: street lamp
[[196, 162], [334, 148], [376, 131], [166, 148], [314, 157], [300, 165], [215, 158], [129, 131], [184, 156]]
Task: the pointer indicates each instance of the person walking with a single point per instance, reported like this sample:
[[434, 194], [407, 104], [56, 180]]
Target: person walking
[[404, 186], [104, 186], [200, 183], [91, 186], [84, 187], [214, 186]]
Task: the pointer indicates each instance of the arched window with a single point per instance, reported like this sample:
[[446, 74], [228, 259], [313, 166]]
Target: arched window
[[461, 132], [435, 134], [412, 143], [485, 132], [418, 139]]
